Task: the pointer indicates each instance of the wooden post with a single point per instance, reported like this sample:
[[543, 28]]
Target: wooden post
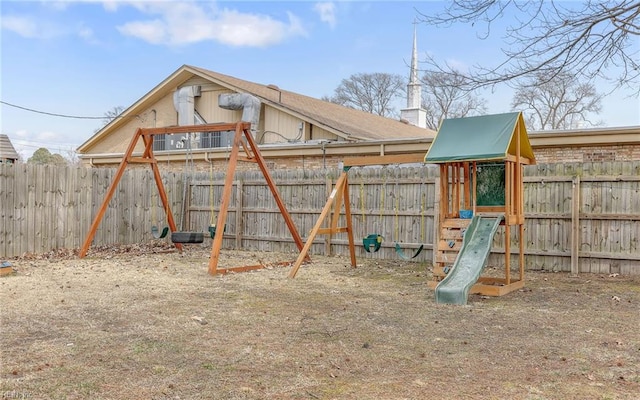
[[226, 199], [253, 155], [274, 190], [456, 190], [474, 181], [339, 187], [575, 227], [520, 188], [337, 206], [444, 192], [147, 157], [521, 248], [437, 220], [347, 213], [467, 186], [239, 212], [328, 183], [508, 182]]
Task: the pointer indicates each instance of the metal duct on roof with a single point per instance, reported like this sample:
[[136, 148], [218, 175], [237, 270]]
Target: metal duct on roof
[[249, 104], [183, 101]]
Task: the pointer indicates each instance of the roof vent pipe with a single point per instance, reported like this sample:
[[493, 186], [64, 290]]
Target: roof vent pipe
[[249, 104]]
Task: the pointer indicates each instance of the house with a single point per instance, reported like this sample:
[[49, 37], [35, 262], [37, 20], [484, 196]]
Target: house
[[8, 153], [281, 119]]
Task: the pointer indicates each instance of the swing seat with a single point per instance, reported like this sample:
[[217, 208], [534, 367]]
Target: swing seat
[[406, 257], [159, 234], [187, 237], [212, 230], [374, 240]]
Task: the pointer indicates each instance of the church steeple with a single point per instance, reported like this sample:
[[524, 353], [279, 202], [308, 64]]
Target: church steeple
[[414, 89], [414, 114]]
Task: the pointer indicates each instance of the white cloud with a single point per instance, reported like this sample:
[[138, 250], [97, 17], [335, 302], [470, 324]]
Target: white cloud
[[327, 12], [458, 65], [182, 23], [86, 33], [29, 27], [150, 31], [36, 28]]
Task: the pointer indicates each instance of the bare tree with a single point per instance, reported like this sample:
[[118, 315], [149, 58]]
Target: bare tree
[[550, 37], [443, 97], [373, 93], [112, 114], [561, 102]]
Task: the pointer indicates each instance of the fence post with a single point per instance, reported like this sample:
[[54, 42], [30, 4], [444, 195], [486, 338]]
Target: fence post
[[575, 227], [328, 189], [239, 211], [436, 221]]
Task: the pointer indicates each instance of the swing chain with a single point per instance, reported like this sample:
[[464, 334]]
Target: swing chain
[[362, 203], [211, 192]]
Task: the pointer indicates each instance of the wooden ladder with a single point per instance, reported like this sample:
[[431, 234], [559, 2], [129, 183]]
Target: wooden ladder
[[449, 245]]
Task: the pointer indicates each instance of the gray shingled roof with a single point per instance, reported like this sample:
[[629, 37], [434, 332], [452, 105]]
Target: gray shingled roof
[[356, 124], [348, 123], [7, 151]]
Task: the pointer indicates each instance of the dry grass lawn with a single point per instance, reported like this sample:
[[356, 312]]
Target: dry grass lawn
[[128, 324]]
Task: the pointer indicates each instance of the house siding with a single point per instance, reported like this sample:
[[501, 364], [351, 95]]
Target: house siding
[[280, 127], [207, 106], [161, 114], [317, 133]]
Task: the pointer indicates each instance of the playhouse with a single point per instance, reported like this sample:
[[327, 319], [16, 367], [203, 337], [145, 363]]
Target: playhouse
[[481, 188]]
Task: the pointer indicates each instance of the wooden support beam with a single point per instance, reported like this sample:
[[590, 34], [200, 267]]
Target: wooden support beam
[[338, 188], [171, 130], [252, 155], [274, 189], [437, 221], [347, 213], [575, 227], [331, 231], [148, 158]]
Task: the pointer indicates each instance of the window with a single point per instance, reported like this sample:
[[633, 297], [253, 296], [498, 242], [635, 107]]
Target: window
[[216, 139], [209, 139], [160, 142]]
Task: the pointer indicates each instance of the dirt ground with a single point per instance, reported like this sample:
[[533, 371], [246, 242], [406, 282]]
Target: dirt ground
[[130, 324]]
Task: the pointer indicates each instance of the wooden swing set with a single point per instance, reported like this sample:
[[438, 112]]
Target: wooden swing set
[[243, 140], [339, 197]]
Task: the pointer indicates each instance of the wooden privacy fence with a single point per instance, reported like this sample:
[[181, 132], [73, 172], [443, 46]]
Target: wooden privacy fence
[[581, 217]]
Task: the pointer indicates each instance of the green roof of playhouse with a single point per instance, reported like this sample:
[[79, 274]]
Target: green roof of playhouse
[[482, 138]]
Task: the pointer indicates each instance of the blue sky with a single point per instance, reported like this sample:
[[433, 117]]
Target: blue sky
[[82, 58]]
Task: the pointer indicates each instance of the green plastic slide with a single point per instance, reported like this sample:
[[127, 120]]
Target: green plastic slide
[[476, 246]]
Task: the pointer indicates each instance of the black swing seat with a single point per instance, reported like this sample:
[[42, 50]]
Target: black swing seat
[[406, 256], [187, 237], [159, 234]]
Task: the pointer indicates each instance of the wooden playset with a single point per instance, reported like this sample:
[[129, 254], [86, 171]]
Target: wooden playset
[[481, 175]]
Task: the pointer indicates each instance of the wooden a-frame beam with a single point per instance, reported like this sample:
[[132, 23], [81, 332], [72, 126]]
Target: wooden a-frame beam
[[339, 194], [253, 155], [128, 158]]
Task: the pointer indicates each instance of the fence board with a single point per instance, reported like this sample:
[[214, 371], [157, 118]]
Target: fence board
[[47, 207]]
